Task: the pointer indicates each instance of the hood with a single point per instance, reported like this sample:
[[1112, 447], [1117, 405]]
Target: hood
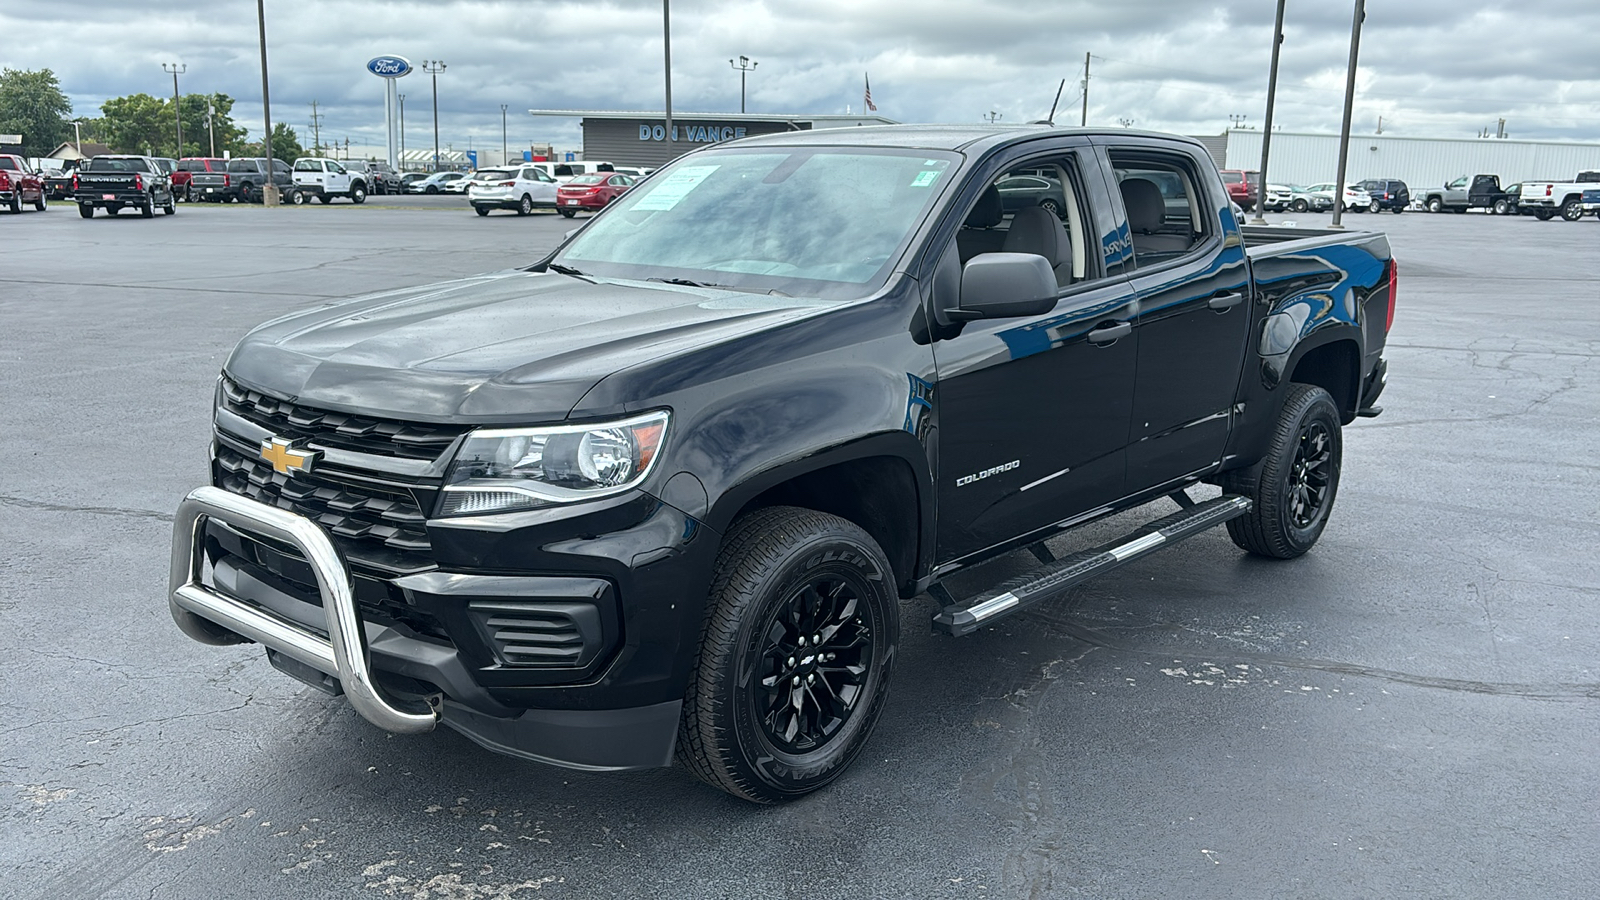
[[512, 347]]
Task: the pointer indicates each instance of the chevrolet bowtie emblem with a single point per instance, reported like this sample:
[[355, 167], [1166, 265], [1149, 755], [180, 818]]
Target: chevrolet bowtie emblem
[[285, 459]]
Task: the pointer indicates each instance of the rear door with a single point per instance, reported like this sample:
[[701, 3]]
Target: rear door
[[1033, 411], [541, 187], [1192, 286]]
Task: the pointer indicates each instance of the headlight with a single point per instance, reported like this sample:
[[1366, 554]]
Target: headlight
[[503, 469]]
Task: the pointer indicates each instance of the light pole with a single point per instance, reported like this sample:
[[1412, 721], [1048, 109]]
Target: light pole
[[745, 64], [1349, 103], [402, 127], [666, 45], [269, 191], [211, 126], [175, 70], [505, 155], [1266, 133], [434, 67]]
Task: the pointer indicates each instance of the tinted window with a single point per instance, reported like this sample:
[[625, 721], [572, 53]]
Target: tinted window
[[104, 164], [1232, 178], [564, 170], [308, 165], [8, 164], [243, 165], [280, 167], [1166, 213]]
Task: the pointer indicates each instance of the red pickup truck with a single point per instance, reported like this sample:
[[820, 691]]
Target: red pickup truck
[[1244, 187], [187, 167], [19, 184]]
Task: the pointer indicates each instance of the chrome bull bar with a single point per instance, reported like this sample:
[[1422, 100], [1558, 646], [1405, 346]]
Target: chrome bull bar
[[198, 609]]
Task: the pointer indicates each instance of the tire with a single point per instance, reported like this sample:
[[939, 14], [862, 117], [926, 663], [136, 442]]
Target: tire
[[1050, 206], [1300, 205], [1294, 486], [1501, 207], [481, 210], [1398, 210], [783, 572], [1435, 205], [432, 189], [171, 208], [40, 205], [526, 206], [1572, 209], [296, 198], [86, 210], [148, 210], [358, 194], [247, 193], [324, 199], [15, 203], [1374, 207], [568, 213], [1543, 214]]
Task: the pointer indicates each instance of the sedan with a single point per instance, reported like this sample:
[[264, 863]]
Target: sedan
[[591, 192], [1020, 191], [1296, 198]]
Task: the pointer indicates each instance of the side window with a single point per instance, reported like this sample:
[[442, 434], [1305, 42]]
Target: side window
[[336, 169], [279, 167], [1037, 208], [1167, 211]]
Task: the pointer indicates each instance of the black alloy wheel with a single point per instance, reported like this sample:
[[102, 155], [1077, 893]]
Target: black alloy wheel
[[1293, 488], [790, 677], [86, 210], [432, 189], [1301, 205]]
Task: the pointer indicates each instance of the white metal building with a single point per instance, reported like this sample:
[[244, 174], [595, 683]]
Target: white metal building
[[1420, 162]]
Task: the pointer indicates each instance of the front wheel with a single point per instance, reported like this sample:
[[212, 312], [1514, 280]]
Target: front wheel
[[793, 667], [1293, 487], [526, 206], [358, 194], [1300, 206], [1435, 205]]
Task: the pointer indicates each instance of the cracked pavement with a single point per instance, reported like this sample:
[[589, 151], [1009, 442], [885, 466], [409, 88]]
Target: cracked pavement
[[1410, 710]]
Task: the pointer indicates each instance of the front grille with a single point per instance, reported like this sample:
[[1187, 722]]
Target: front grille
[[363, 434], [383, 527]]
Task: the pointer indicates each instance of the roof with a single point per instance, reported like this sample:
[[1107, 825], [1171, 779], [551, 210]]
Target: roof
[[719, 116], [69, 150]]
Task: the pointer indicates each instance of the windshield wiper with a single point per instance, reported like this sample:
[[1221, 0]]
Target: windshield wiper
[[688, 283], [565, 270]]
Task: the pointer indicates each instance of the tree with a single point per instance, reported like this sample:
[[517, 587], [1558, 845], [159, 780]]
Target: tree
[[196, 139], [138, 123], [285, 145], [32, 105]]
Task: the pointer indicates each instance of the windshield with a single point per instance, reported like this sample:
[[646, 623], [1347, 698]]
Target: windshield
[[103, 164], [807, 221]]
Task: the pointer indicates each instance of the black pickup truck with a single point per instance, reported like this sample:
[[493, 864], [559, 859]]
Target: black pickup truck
[[243, 181], [662, 492], [114, 182]]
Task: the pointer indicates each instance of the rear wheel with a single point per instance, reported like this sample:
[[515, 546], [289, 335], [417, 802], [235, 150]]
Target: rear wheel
[[86, 210], [247, 193], [800, 634], [568, 213], [296, 198], [171, 208], [1572, 210], [148, 210], [1544, 215], [1502, 206], [481, 210], [1050, 206], [1293, 487], [1375, 207], [15, 203]]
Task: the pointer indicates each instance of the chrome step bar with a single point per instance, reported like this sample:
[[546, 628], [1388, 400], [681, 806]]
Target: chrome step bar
[[1051, 580], [198, 609]]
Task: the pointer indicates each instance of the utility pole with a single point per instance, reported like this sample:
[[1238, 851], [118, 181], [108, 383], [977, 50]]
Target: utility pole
[[1266, 134], [745, 64], [177, 103], [434, 67], [269, 191], [1349, 105], [402, 127], [1084, 120], [505, 154], [316, 129], [666, 44]]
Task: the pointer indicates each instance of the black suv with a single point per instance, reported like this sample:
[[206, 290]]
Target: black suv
[[1387, 193], [384, 180]]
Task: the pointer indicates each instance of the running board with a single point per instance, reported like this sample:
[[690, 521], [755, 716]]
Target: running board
[[1050, 580]]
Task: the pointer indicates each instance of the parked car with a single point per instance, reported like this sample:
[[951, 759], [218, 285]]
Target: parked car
[[58, 182], [1386, 193], [1547, 198], [1296, 198], [457, 185], [523, 189], [20, 185], [169, 168], [564, 172], [1509, 206], [1022, 190], [378, 176], [244, 180], [436, 182], [409, 179], [1355, 199], [601, 521], [1464, 193], [183, 178], [114, 182], [1591, 201], [1244, 186], [326, 179], [591, 192]]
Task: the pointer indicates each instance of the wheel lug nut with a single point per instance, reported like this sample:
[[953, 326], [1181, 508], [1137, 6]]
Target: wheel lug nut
[[797, 681], [802, 641], [791, 662], [811, 678]]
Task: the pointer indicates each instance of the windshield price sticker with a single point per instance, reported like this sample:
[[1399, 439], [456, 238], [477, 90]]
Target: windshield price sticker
[[925, 178], [675, 187]]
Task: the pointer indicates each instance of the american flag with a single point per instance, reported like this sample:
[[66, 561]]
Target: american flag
[[871, 107]]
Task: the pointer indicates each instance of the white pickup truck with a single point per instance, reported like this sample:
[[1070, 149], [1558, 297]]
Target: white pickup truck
[[1547, 198], [326, 179]]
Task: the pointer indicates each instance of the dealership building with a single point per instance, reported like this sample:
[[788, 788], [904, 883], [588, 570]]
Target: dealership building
[[641, 139]]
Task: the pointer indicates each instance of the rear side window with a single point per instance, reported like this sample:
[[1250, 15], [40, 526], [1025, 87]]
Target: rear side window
[[7, 164], [308, 165], [1232, 178], [242, 165], [1167, 212]]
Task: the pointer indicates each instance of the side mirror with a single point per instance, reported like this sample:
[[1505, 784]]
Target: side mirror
[[1005, 285]]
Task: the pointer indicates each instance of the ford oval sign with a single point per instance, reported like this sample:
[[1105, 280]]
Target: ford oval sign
[[389, 66]]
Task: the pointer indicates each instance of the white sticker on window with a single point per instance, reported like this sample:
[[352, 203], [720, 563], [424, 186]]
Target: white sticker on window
[[670, 191], [924, 178]]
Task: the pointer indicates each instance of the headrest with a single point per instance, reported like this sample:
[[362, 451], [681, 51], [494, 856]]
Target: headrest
[[1147, 211], [1037, 230], [989, 211]]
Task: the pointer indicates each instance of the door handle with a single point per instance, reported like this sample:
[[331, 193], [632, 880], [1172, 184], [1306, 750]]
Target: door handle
[[1225, 302], [1107, 333]]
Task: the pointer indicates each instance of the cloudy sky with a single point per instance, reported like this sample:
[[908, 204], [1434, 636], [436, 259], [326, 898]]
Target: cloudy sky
[[1428, 67]]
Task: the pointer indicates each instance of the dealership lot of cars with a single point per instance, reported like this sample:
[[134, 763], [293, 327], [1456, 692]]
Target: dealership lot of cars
[[1419, 693]]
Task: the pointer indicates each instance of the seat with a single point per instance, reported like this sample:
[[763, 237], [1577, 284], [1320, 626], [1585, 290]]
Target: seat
[[1147, 215], [978, 233], [1037, 230]]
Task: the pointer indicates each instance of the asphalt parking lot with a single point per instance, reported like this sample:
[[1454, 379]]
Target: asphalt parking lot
[[1412, 710]]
